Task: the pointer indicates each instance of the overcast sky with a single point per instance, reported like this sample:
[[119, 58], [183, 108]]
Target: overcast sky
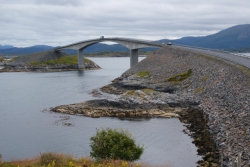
[[60, 22]]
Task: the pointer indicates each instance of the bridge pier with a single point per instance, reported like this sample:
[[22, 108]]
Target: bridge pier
[[133, 57], [81, 58]]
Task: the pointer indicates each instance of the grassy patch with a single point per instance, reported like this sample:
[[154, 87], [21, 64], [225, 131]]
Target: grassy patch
[[143, 74], [1, 59], [198, 90], [14, 59], [70, 60], [47, 160], [180, 77], [244, 69], [148, 91], [130, 93], [204, 78]]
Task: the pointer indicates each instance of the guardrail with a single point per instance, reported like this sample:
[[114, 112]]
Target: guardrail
[[215, 50]]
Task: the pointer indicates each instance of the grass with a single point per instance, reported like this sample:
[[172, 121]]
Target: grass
[[204, 78], [14, 59], [148, 91], [180, 77], [1, 59], [143, 74], [62, 160], [70, 60], [130, 93], [198, 90], [244, 69]]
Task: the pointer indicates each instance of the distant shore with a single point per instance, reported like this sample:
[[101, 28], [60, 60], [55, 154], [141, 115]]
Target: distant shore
[[46, 62]]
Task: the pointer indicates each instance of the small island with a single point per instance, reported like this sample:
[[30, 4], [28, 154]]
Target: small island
[[48, 61]]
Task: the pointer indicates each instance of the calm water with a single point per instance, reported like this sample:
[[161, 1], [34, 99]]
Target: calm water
[[26, 130]]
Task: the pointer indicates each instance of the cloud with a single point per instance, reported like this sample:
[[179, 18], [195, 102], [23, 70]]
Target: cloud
[[54, 22]]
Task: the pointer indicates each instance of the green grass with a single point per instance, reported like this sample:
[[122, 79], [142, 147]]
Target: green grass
[[70, 60], [180, 77], [143, 74]]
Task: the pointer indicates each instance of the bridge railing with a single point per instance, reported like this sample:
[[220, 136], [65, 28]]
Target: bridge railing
[[147, 42]]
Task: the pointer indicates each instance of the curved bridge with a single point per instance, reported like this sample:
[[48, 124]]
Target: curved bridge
[[132, 44]]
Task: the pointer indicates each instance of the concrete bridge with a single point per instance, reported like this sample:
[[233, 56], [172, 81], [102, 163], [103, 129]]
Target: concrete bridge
[[132, 44]]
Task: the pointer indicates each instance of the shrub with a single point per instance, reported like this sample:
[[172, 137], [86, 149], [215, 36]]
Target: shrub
[[1, 59], [49, 158], [114, 144]]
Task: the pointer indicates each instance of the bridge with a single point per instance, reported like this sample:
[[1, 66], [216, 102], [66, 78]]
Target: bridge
[[132, 44]]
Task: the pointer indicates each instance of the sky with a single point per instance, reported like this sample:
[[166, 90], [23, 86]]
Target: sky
[[60, 22]]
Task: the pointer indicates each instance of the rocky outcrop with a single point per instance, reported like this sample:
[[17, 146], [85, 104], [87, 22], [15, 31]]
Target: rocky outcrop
[[132, 104], [109, 110]]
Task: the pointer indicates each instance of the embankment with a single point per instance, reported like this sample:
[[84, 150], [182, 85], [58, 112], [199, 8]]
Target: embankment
[[212, 95]]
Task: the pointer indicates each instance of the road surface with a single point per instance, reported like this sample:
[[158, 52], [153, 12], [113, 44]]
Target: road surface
[[245, 61]]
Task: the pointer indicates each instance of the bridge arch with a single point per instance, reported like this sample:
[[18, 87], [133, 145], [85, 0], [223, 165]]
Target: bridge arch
[[132, 44]]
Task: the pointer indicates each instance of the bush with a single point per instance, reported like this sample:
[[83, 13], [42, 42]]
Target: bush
[[49, 158], [114, 144]]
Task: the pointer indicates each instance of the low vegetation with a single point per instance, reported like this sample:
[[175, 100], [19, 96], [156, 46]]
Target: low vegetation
[[114, 144], [70, 60], [143, 74], [180, 77], [148, 91], [61, 160], [14, 59], [198, 90], [110, 148], [1, 59], [130, 93]]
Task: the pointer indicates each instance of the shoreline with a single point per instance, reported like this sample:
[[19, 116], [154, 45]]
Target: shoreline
[[221, 89]]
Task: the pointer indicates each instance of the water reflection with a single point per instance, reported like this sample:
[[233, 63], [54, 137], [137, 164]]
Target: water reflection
[[135, 119], [80, 73]]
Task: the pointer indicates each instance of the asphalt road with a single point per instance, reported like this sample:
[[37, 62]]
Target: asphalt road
[[225, 55]]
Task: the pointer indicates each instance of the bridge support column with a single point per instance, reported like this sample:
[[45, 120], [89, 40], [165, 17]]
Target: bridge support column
[[133, 57], [81, 58]]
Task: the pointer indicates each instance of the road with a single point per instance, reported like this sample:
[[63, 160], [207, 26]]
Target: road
[[245, 61]]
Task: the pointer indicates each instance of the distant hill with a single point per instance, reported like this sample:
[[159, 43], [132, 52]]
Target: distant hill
[[233, 38], [24, 51], [6, 46]]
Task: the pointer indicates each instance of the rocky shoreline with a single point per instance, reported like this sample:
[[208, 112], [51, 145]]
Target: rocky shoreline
[[55, 68], [209, 94]]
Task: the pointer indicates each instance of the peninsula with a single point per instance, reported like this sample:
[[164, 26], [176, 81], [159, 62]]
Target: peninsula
[[47, 61]]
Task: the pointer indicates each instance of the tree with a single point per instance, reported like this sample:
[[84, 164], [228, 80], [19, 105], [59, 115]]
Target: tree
[[114, 144]]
